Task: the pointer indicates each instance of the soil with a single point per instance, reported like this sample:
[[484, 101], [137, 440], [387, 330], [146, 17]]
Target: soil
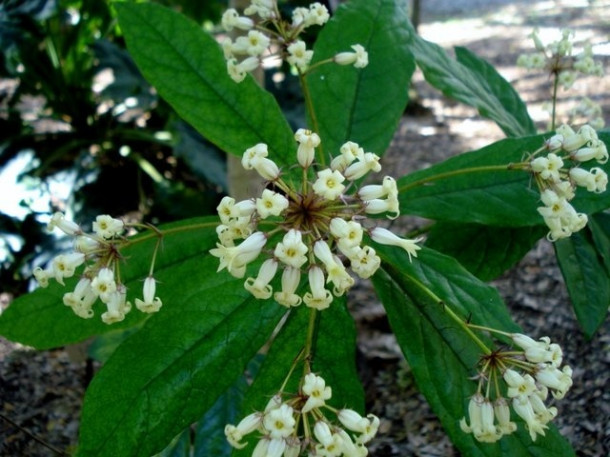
[[42, 392]]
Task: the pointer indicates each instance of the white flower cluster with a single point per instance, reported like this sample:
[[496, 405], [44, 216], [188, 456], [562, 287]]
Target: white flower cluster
[[99, 253], [558, 183], [319, 222], [557, 57], [272, 33], [528, 382], [297, 425]]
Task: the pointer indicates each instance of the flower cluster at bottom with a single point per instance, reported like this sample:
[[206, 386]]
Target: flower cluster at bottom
[[289, 428], [529, 375]]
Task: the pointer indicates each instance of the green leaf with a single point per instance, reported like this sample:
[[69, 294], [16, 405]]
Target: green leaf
[[586, 278], [210, 439], [495, 85], [477, 187], [162, 378], [333, 359], [599, 224], [443, 358], [484, 251], [362, 105], [40, 319], [187, 67], [474, 82]]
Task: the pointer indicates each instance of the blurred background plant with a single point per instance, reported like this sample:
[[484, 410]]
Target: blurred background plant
[[82, 132]]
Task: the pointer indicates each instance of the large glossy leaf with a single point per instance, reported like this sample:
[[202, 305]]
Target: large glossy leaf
[[474, 82], [187, 67], [443, 358], [41, 320], [585, 275], [362, 105], [333, 359], [164, 377], [477, 187], [484, 251]]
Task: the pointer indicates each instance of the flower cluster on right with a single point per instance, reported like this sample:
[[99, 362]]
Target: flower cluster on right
[[529, 375], [558, 182]]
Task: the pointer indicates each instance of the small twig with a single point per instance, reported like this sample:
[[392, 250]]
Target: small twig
[[34, 437]]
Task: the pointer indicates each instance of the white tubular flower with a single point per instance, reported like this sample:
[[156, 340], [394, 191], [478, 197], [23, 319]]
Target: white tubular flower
[[246, 426], [81, 299], [317, 391], [523, 408], [322, 251], [352, 237], [103, 284], [335, 269], [488, 433], [280, 422], [235, 71], [518, 385], [350, 151], [328, 185], [352, 420], [254, 44], [543, 414], [547, 167], [86, 244], [291, 277], [68, 227], [319, 298], [299, 55], [384, 236], [378, 206], [108, 227], [264, 9], [502, 413], [255, 152], [322, 432], [231, 19], [374, 191], [474, 415], [64, 265], [270, 204], [559, 381], [365, 262], [117, 306], [235, 258], [571, 140], [359, 58], [260, 287], [368, 162], [43, 276], [266, 168], [298, 16], [291, 250], [308, 141], [318, 15], [276, 448], [349, 447], [596, 149], [226, 210], [150, 304]]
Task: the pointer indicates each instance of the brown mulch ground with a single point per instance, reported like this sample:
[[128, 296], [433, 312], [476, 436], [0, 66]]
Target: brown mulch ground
[[41, 392]]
